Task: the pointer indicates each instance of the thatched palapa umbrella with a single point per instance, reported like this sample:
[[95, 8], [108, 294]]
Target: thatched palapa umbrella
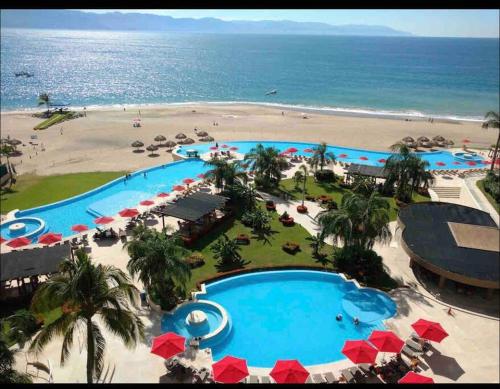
[[207, 139], [187, 141], [170, 143], [151, 148], [438, 138], [160, 138], [180, 135], [408, 139], [449, 142], [202, 133], [423, 139], [137, 144]]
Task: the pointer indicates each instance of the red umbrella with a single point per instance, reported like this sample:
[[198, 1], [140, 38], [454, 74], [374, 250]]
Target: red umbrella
[[202, 176], [233, 148], [429, 330], [308, 150], [129, 212], [163, 194], [188, 181], [414, 378], [147, 202], [465, 140], [79, 228], [2, 240], [289, 372], [471, 163], [19, 242], [457, 163], [359, 351], [440, 164], [382, 160], [50, 238], [168, 345], [386, 341], [224, 146], [178, 188], [214, 148], [283, 154], [364, 158], [103, 220], [291, 150], [343, 156], [230, 370]]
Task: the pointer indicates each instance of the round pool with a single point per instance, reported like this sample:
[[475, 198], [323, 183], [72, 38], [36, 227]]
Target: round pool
[[29, 227], [290, 314]]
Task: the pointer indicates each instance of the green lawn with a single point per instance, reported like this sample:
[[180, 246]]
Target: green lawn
[[31, 190], [480, 185], [333, 189]]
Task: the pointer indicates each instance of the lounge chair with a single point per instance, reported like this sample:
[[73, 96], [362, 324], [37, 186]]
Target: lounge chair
[[414, 345], [330, 378], [346, 373], [410, 352], [317, 379], [265, 380], [252, 379]]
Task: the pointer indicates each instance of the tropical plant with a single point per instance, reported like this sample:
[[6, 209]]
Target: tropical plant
[[364, 264], [243, 195], [224, 173], [363, 185], [267, 165], [321, 157], [8, 375], [304, 174], [158, 261], [226, 250], [492, 185], [492, 121], [85, 290], [298, 177], [359, 220], [259, 220], [22, 326], [43, 98], [316, 244]]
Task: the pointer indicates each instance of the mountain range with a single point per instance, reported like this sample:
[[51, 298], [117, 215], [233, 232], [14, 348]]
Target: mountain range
[[117, 21]]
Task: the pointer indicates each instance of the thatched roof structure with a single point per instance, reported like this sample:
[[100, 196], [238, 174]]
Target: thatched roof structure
[[180, 135], [408, 139], [207, 139], [160, 138], [438, 138], [170, 143], [202, 133], [137, 143]]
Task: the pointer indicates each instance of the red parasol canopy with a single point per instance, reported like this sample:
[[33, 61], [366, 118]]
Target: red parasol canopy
[[202, 176], [214, 148], [289, 372], [188, 181], [308, 150], [103, 220], [465, 140], [233, 148], [359, 351], [414, 378], [382, 160], [386, 341], [19, 242], [163, 194], [230, 370], [456, 163], [363, 158], [178, 188], [471, 163], [168, 345], [429, 330], [224, 146], [440, 164], [50, 238], [147, 202], [2, 240], [283, 154], [343, 156], [129, 212], [79, 228], [291, 150]]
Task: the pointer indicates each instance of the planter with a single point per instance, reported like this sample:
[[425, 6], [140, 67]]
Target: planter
[[310, 198], [270, 206], [243, 239], [291, 247], [288, 222], [324, 198], [400, 204], [301, 209]]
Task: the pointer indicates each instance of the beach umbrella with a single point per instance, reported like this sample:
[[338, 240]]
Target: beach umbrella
[[471, 163], [19, 242], [283, 154], [2, 240], [187, 141], [14, 142], [289, 372], [382, 160], [214, 148], [465, 140], [163, 194], [386, 341], [429, 330], [308, 150], [233, 148], [180, 135], [440, 164], [168, 345], [412, 144], [103, 220], [207, 139], [224, 146], [137, 144], [128, 212], [170, 143], [230, 370], [147, 202], [415, 378], [291, 150], [79, 228], [363, 158], [151, 148], [438, 138], [359, 351], [202, 133], [408, 139], [137, 119], [343, 156], [178, 188], [449, 142], [456, 163], [50, 238], [423, 139], [202, 176], [188, 181], [160, 138]]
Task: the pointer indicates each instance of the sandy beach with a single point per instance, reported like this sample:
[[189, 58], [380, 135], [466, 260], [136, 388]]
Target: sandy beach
[[101, 140]]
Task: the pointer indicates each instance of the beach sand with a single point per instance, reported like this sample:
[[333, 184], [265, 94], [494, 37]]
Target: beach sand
[[101, 140]]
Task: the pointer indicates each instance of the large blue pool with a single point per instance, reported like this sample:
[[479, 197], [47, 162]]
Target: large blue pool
[[286, 314]]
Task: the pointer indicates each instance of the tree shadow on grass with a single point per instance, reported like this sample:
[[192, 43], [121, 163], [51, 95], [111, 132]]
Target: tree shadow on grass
[[263, 236], [237, 264], [212, 235]]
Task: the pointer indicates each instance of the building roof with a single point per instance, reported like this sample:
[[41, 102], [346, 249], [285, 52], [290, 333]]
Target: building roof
[[195, 206], [428, 235], [32, 262], [366, 170]]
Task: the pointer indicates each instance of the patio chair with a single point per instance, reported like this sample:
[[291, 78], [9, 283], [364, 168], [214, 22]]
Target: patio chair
[[414, 345], [330, 378], [317, 379], [410, 352], [252, 379], [346, 373], [265, 380]]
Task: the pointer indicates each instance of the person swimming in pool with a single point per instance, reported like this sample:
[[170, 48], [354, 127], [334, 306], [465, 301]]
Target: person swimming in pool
[[339, 317], [356, 321]]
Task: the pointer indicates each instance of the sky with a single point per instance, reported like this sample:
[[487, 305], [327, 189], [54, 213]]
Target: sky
[[438, 23]]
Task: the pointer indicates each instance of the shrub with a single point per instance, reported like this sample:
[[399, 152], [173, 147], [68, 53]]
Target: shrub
[[332, 205], [310, 198], [284, 216], [325, 175], [226, 250], [492, 185], [359, 263], [195, 260]]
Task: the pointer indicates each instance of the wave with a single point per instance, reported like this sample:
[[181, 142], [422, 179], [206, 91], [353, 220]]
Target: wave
[[343, 111]]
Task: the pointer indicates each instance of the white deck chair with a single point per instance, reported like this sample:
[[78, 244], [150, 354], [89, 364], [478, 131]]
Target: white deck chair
[[330, 377], [266, 380], [318, 379]]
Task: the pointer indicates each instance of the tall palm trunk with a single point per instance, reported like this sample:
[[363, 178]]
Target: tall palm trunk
[[90, 351], [495, 153], [304, 190]]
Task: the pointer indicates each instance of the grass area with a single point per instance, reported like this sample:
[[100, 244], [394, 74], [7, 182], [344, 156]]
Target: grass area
[[480, 185], [32, 190], [262, 251], [54, 119], [336, 192]]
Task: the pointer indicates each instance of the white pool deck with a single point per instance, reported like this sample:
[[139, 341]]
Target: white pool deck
[[470, 354]]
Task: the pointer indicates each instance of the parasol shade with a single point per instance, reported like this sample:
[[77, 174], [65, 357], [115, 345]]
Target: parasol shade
[[168, 345], [103, 220], [359, 351], [415, 378], [289, 372], [19, 242], [147, 202], [50, 238], [386, 341], [230, 370], [79, 228], [429, 330], [129, 212]]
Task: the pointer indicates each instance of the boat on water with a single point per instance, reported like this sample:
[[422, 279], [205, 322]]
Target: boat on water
[[272, 92], [24, 74]]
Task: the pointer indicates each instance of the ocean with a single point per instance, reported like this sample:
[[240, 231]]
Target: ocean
[[440, 77]]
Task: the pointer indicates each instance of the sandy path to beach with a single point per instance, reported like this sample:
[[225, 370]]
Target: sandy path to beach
[[101, 140]]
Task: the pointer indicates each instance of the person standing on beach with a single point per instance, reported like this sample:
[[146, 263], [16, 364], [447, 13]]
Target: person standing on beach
[[61, 131]]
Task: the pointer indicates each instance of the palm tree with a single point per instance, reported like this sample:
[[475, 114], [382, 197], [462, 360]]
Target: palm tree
[[317, 243], [22, 326], [492, 121], [217, 173], [305, 173], [363, 185], [298, 177], [321, 156], [224, 173], [266, 163], [233, 173], [7, 373], [226, 250], [359, 221], [43, 98], [158, 261], [85, 290]]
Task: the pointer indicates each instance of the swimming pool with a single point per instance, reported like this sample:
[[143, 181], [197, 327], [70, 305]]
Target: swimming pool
[[288, 314], [438, 160]]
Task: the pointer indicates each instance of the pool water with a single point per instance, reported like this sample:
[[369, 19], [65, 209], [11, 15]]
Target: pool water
[[291, 315], [33, 228], [352, 155]]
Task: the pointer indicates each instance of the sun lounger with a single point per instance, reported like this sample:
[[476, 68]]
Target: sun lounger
[[252, 379], [410, 352], [317, 379], [414, 345], [346, 373], [330, 377], [265, 380]]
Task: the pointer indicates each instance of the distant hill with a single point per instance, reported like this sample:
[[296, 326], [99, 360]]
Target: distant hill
[[117, 21]]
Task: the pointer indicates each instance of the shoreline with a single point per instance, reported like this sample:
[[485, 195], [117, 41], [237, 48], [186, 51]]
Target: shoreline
[[411, 115]]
